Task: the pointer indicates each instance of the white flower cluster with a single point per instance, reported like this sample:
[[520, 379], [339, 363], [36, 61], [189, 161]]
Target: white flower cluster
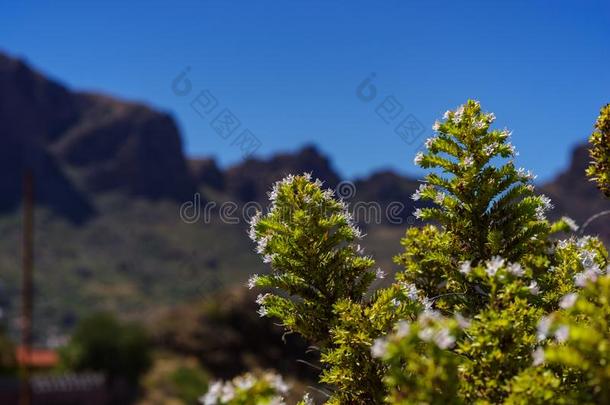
[[380, 274], [260, 300], [493, 265], [431, 330], [568, 301], [458, 114], [418, 193], [410, 290], [225, 392], [561, 332], [307, 399], [538, 356], [252, 281], [542, 209], [591, 269], [465, 267], [419, 157], [526, 174]]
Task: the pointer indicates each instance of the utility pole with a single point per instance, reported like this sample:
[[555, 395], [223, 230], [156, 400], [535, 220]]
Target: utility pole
[[27, 261]]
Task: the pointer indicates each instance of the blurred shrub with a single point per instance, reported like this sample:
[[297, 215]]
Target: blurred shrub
[[103, 343]]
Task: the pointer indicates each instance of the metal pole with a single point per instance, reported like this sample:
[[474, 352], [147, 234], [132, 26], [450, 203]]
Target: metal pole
[[27, 251]]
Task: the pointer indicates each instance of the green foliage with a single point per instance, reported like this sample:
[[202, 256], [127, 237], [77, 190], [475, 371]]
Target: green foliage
[[421, 369], [490, 210], [599, 170], [102, 343], [578, 339], [467, 319], [309, 240]]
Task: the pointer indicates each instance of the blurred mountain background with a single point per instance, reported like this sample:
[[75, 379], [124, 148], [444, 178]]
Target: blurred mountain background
[[111, 176]]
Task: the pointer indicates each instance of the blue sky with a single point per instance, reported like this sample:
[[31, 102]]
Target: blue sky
[[289, 70]]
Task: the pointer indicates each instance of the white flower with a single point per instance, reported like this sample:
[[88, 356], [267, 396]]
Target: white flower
[[244, 382], [538, 356], [260, 299], [262, 311], [468, 161], [418, 158], [494, 265], [436, 125], [262, 244], [418, 193], [459, 113], [581, 279], [562, 333], [403, 328], [478, 124], [568, 301], [252, 281], [571, 223], [213, 394], [587, 258], [307, 399], [582, 242], [446, 114], [357, 232], [515, 269], [228, 393], [418, 213], [506, 133], [277, 382], [439, 198], [526, 174], [546, 202], [465, 267], [410, 290], [380, 274], [277, 401], [268, 258], [543, 328], [491, 117], [463, 322], [379, 348], [444, 339], [533, 287], [428, 311], [489, 149], [426, 334], [253, 222]]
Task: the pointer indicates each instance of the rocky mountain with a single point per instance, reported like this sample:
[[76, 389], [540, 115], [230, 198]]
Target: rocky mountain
[[78, 144], [574, 195]]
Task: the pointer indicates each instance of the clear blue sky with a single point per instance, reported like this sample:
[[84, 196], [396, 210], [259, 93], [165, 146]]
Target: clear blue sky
[[289, 69]]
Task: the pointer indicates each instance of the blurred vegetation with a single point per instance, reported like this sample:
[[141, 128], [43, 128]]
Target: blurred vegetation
[[103, 343]]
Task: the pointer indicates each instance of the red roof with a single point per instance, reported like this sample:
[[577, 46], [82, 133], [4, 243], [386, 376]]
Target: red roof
[[40, 358]]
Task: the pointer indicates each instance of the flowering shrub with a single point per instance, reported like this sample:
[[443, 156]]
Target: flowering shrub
[[599, 170], [266, 389], [490, 307]]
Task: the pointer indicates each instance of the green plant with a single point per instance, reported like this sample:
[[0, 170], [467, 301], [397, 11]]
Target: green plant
[[599, 170], [466, 320]]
